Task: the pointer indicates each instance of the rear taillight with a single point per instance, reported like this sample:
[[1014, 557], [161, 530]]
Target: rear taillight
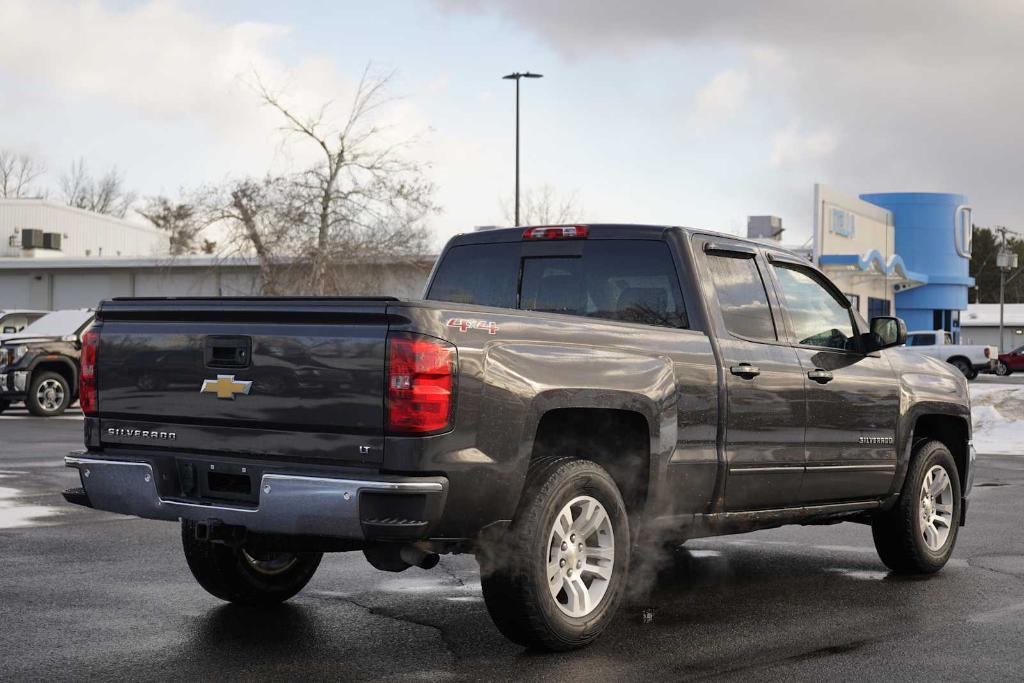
[[87, 377], [560, 232], [421, 382]]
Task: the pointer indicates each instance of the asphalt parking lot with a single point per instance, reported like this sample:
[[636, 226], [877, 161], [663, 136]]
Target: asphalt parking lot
[[88, 594]]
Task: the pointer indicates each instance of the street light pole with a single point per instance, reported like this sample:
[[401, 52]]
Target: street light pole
[[516, 76], [1005, 261]]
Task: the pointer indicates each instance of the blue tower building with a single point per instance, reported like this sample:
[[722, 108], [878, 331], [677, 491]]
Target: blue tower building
[[933, 236]]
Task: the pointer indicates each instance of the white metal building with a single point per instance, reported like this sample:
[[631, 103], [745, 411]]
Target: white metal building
[[55, 257], [38, 228], [980, 325], [55, 284]]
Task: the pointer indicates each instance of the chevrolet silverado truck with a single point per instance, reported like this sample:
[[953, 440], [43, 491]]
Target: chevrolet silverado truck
[[565, 400], [969, 359]]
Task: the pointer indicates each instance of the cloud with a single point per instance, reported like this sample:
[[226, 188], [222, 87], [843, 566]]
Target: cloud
[[170, 66], [790, 145], [720, 99], [158, 57], [927, 94]]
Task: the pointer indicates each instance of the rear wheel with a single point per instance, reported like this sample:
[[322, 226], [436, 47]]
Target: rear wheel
[[48, 395], [243, 576], [917, 536], [1003, 370], [4, 405], [555, 578], [965, 367]]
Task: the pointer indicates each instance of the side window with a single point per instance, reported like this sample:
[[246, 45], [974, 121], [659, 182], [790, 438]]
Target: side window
[[819, 318], [482, 274], [628, 280], [742, 297], [921, 340]]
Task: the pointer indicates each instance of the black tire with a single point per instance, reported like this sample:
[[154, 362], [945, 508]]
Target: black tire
[[4, 405], [1003, 370], [232, 575], [965, 367], [898, 533], [62, 396], [514, 566]]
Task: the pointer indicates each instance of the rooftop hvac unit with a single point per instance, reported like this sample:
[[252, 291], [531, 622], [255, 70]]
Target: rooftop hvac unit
[[51, 240], [31, 239]]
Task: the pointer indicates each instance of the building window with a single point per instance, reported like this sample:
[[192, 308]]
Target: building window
[[945, 320], [854, 300], [878, 308]]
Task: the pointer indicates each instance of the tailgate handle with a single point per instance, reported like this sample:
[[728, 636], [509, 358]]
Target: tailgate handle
[[228, 352]]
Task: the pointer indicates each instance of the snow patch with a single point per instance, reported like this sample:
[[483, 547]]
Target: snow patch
[[997, 411]]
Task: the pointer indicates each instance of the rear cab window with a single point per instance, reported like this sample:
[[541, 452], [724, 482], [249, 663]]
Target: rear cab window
[[742, 297], [921, 340], [625, 280]]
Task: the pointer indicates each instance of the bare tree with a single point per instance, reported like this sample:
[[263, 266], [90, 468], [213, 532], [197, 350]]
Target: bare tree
[[17, 173], [543, 206], [105, 194], [183, 222], [364, 198], [259, 216]]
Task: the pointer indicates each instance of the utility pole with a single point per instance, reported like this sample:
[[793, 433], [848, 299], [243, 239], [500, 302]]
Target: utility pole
[[515, 77]]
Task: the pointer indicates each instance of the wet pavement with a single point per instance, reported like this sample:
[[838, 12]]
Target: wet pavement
[[84, 593]]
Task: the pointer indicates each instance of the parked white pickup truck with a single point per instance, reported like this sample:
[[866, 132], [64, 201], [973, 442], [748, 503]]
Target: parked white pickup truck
[[970, 359]]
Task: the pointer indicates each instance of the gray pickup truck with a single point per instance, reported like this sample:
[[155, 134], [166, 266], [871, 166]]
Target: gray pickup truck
[[564, 400]]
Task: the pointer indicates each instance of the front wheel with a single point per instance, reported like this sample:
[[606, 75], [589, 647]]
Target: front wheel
[[917, 536], [246, 577], [1003, 370], [49, 394], [554, 580]]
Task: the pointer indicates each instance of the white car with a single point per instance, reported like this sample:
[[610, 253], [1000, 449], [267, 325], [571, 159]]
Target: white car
[[970, 359]]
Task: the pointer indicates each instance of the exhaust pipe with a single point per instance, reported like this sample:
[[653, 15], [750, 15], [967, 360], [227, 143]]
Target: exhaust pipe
[[415, 557]]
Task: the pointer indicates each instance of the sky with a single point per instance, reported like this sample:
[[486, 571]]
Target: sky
[[681, 113]]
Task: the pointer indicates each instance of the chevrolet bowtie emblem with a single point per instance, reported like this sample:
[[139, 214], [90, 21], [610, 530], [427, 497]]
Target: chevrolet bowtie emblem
[[225, 386]]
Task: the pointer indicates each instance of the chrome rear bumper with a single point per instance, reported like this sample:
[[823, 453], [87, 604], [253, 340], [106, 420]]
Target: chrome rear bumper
[[288, 504]]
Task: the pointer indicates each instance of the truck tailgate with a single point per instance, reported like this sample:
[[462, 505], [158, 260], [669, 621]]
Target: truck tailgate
[[296, 378]]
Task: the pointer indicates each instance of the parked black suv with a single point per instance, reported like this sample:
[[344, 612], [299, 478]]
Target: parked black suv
[[40, 364]]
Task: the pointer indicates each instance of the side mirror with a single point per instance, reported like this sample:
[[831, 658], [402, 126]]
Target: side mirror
[[886, 332]]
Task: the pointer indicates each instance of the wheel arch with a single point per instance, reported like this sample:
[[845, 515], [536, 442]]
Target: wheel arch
[[62, 366], [953, 432], [619, 439]]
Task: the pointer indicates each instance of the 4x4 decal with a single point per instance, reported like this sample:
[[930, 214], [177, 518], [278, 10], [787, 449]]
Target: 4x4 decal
[[467, 324]]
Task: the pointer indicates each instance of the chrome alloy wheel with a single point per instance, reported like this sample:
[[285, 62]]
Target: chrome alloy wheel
[[581, 556], [271, 563], [50, 395], [936, 508]]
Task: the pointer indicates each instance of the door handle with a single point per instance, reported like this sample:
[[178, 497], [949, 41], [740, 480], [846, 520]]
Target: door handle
[[745, 370], [820, 376]]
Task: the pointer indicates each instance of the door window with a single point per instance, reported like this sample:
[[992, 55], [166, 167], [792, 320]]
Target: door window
[[819, 318], [742, 296], [921, 340]]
